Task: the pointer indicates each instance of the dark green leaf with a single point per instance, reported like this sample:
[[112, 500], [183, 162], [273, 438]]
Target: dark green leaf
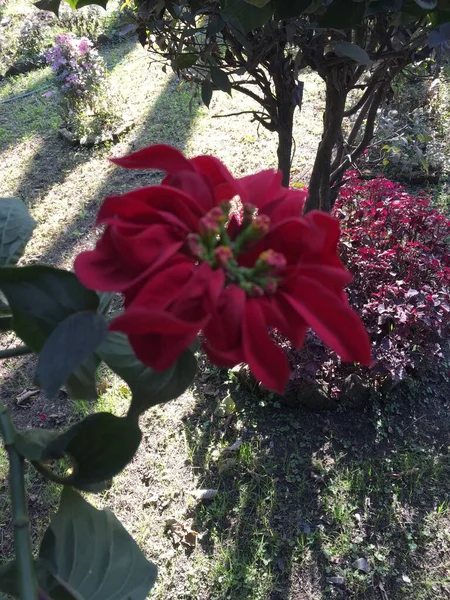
[[350, 50], [51, 5], [287, 9], [81, 3], [9, 579], [82, 384], [90, 554], [33, 444], [6, 323], [40, 298], [207, 90], [4, 306], [106, 299], [185, 60], [148, 387], [439, 35], [68, 345], [16, 227], [257, 3], [215, 25], [101, 446], [383, 6], [245, 16], [343, 14], [220, 80], [426, 4]]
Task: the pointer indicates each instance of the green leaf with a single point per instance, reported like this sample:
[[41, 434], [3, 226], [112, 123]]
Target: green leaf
[[33, 443], [81, 3], [350, 50], [220, 80], [9, 579], [207, 91], [185, 60], [68, 345], [82, 384], [51, 5], [343, 14], [148, 387], [16, 227], [439, 36], [426, 4], [244, 15], [101, 445], [383, 6], [89, 554], [287, 9], [105, 301], [215, 25], [40, 298], [257, 3]]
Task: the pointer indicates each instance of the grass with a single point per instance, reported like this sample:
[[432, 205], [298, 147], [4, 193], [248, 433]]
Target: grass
[[304, 495]]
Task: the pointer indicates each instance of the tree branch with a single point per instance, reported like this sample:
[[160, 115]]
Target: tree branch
[[17, 351]]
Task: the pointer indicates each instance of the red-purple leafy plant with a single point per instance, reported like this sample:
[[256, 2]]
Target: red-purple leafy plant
[[396, 246]]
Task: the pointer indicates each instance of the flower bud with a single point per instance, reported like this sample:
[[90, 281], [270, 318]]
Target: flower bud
[[260, 225], [271, 261], [194, 245], [255, 291], [223, 255]]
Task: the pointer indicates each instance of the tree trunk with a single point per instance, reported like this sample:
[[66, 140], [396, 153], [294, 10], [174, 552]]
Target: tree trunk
[[288, 95], [319, 185], [284, 150]]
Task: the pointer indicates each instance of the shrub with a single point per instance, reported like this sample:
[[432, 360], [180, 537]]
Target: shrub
[[396, 246], [80, 73]]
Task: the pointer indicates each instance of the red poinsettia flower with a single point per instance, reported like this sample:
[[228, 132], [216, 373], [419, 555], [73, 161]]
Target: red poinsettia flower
[[186, 264]]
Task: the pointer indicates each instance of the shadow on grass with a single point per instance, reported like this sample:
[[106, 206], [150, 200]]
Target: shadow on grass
[[306, 495], [168, 121], [33, 121]]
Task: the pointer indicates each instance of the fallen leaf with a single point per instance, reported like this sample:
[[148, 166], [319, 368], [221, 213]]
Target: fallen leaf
[[25, 395], [233, 448], [190, 539], [412, 471], [227, 465], [305, 526], [361, 564], [406, 579], [230, 406], [208, 494], [335, 580]]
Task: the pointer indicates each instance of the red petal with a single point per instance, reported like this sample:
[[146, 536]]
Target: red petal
[[164, 287], [137, 320], [266, 360], [160, 351], [287, 323], [224, 329], [148, 249], [224, 184], [332, 320], [150, 204], [160, 156], [289, 206], [195, 186], [260, 187]]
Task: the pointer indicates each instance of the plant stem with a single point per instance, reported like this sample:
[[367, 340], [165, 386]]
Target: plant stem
[[17, 351], [24, 557]]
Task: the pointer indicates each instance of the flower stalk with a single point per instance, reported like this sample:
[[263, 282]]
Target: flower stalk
[[28, 589]]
